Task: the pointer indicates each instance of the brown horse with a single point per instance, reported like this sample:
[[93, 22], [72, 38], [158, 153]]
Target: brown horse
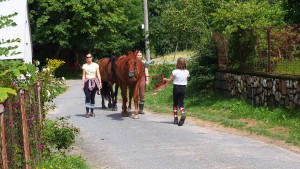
[[129, 72], [108, 76]]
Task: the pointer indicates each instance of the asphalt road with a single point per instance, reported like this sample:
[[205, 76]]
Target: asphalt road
[[153, 142]]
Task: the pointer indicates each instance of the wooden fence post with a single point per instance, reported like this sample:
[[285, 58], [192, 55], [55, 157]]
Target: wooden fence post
[[25, 130], [3, 141], [269, 49]]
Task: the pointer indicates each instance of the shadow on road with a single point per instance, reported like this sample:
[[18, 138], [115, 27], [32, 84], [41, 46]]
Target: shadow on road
[[80, 115], [115, 116], [165, 122]]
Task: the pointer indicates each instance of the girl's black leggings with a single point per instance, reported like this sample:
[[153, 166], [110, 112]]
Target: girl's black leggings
[[178, 95]]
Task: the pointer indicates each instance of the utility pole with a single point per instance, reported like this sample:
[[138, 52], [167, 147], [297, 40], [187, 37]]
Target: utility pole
[[147, 47]]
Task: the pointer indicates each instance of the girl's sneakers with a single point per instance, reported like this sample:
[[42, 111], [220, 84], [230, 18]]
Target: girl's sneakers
[[175, 120], [182, 119]]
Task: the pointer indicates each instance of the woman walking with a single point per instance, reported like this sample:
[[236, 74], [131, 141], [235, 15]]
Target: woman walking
[[143, 83], [91, 83]]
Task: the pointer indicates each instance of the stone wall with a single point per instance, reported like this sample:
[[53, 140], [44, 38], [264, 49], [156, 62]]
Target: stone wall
[[261, 90]]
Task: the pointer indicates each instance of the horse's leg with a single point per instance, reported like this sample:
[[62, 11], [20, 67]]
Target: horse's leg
[[110, 97], [103, 101], [115, 97], [124, 100], [130, 98], [135, 99]]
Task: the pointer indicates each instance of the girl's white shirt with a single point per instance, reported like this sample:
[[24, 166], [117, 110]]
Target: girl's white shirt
[[180, 76], [90, 70]]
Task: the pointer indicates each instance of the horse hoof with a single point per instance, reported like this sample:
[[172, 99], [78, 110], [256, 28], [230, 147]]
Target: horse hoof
[[135, 117], [104, 107], [125, 115]]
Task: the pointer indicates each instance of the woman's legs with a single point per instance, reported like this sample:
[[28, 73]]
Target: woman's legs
[[92, 106], [89, 99], [142, 87]]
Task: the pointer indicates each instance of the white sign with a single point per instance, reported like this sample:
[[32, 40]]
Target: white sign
[[21, 31]]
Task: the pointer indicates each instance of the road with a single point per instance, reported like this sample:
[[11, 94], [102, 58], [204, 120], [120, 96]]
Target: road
[[153, 142]]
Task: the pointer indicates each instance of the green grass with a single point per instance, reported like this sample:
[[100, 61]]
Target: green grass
[[276, 123], [174, 56], [59, 161], [291, 67]]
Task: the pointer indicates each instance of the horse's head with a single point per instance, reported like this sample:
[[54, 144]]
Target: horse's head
[[134, 66]]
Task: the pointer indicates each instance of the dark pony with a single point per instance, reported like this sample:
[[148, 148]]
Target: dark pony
[[129, 72], [107, 68]]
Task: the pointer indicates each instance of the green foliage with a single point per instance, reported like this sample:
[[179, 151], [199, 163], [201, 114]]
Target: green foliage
[[60, 133], [10, 76], [242, 23], [105, 26], [234, 15], [157, 71], [52, 86], [5, 92], [293, 11], [53, 64], [202, 71], [59, 161], [8, 50], [287, 66], [177, 25], [15, 74]]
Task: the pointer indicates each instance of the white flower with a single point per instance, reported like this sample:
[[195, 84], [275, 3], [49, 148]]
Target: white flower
[[62, 78], [48, 69], [37, 63], [48, 93], [44, 69]]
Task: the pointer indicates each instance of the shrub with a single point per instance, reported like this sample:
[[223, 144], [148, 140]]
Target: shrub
[[60, 133]]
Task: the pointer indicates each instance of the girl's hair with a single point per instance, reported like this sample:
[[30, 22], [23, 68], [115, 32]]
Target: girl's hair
[[181, 64]]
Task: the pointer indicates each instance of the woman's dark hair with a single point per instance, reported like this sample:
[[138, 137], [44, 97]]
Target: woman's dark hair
[[181, 64]]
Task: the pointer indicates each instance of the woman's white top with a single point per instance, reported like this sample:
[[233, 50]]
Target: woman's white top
[[90, 70], [180, 76]]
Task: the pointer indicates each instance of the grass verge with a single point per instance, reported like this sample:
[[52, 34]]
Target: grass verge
[[276, 123], [60, 161]]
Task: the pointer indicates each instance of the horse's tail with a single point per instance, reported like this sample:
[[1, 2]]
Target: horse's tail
[[113, 68], [105, 90]]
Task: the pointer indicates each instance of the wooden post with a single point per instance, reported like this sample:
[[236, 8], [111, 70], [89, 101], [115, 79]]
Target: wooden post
[[25, 130], [9, 110], [269, 49], [3, 141]]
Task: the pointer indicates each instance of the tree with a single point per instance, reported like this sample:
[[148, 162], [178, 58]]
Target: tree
[[293, 11], [177, 25], [101, 26], [243, 22]]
